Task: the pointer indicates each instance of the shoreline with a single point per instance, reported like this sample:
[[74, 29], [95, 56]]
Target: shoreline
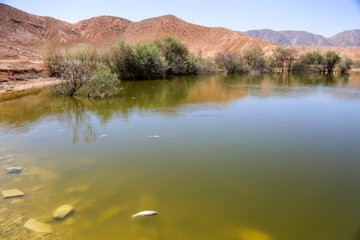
[[16, 86]]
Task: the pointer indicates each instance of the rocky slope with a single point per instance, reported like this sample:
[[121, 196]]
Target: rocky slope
[[22, 30], [346, 38]]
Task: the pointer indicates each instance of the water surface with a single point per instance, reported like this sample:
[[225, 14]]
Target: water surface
[[239, 157]]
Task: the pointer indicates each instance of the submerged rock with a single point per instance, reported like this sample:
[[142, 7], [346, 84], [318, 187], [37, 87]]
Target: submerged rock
[[63, 211], [14, 169], [12, 193], [39, 227]]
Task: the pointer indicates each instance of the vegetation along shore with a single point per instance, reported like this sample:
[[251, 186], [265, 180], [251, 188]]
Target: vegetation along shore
[[97, 75]]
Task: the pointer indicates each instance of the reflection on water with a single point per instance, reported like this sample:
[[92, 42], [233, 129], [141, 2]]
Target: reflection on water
[[239, 157]]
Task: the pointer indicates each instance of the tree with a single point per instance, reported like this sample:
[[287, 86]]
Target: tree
[[290, 58], [345, 65], [280, 57], [78, 67]]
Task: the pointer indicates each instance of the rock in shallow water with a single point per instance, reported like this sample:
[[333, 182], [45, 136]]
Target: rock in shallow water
[[12, 193], [63, 211], [39, 227], [14, 169]]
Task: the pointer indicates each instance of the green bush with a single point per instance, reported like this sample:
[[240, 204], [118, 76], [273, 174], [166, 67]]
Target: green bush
[[176, 55], [136, 62], [312, 58], [104, 83], [231, 62], [254, 58], [205, 66], [345, 65], [331, 59], [309, 62], [283, 57]]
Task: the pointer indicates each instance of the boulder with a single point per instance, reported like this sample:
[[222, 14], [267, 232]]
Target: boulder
[[12, 193], [39, 227], [63, 211]]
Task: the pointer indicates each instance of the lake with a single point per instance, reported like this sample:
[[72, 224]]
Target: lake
[[237, 157]]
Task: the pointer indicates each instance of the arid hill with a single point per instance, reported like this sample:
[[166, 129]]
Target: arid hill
[[101, 31], [23, 31]]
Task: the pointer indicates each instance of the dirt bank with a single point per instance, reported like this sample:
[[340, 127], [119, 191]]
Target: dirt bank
[[11, 86]]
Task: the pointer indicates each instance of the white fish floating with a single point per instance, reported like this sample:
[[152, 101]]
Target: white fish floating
[[145, 213], [14, 169], [104, 135], [154, 136]]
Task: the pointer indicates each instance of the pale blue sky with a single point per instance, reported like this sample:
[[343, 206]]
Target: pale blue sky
[[326, 17]]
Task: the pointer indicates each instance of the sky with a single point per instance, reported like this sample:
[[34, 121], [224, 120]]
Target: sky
[[325, 17]]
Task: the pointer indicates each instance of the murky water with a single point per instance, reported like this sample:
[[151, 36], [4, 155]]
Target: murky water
[[264, 158]]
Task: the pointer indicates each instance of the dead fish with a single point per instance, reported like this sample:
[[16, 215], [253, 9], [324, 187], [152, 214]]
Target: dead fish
[[154, 136], [104, 135], [14, 169], [144, 213]]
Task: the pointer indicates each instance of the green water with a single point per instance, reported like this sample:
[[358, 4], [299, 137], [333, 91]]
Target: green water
[[239, 157]]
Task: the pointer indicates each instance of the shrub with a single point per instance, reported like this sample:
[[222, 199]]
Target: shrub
[[309, 62], [176, 55], [78, 67], [279, 57], [345, 65], [231, 62], [205, 66], [54, 61], [312, 58], [139, 61], [103, 83], [331, 58], [254, 58]]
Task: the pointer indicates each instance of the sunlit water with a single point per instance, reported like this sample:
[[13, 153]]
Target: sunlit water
[[238, 158]]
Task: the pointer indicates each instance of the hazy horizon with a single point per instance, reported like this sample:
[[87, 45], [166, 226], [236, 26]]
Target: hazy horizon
[[326, 18]]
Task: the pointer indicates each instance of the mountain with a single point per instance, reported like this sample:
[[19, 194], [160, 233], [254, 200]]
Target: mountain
[[302, 38], [270, 36], [200, 40], [289, 38], [103, 29], [21, 31], [346, 38]]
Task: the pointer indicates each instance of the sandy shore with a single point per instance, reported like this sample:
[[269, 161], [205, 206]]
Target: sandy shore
[[11, 86]]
